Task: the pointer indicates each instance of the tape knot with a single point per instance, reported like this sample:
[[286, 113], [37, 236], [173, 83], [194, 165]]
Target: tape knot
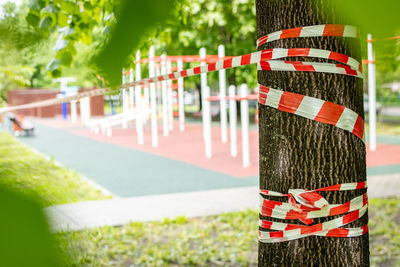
[[304, 201]]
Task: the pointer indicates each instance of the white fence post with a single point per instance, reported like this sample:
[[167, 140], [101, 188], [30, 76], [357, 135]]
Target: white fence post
[[164, 97], [158, 91], [125, 103], [222, 94], [131, 91], [82, 110], [371, 95], [145, 104], [153, 100], [207, 122], [84, 103], [88, 114], [169, 95], [138, 96], [73, 111], [244, 114], [203, 80], [233, 120], [180, 99]]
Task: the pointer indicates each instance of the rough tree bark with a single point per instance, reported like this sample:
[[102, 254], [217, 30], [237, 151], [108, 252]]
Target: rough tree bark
[[299, 153]]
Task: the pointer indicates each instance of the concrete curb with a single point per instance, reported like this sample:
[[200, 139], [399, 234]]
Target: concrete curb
[[114, 212]]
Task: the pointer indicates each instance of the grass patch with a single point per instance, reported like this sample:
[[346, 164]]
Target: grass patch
[[29, 173], [385, 232], [387, 128], [226, 240]]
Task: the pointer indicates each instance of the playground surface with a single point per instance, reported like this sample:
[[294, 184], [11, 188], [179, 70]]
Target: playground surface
[[127, 169], [178, 164], [174, 179]]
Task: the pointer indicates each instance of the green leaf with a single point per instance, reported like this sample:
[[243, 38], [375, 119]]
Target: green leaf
[[67, 6], [86, 39], [135, 18], [54, 64], [32, 19], [88, 6], [86, 17], [24, 232], [36, 5], [46, 22], [55, 73], [83, 27], [109, 6], [71, 49], [106, 30], [62, 19], [50, 9], [97, 16], [381, 18], [65, 57]]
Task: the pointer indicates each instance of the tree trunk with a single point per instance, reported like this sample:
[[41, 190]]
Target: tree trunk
[[296, 152]]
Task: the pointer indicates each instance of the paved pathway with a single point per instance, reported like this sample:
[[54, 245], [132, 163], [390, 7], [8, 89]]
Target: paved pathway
[[114, 212], [82, 215]]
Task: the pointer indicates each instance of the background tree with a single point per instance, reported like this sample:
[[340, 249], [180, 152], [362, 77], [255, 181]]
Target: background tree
[[25, 52]]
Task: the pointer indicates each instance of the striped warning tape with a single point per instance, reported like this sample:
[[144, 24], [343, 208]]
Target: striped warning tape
[[307, 204], [236, 98], [311, 31], [313, 109], [312, 205], [56, 101], [304, 205], [276, 53], [308, 66], [260, 57]]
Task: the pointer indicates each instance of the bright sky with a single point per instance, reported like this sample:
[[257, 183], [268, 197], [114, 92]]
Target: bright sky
[[2, 2], [18, 2]]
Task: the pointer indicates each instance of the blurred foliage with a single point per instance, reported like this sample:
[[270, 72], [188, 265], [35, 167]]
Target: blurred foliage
[[132, 22], [380, 18], [26, 172], [75, 21], [202, 23], [25, 237], [25, 52], [17, 49], [225, 240], [115, 29], [130, 27]]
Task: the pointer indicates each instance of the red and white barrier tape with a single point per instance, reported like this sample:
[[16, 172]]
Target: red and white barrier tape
[[311, 31], [56, 101], [312, 205], [304, 205], [313, 109], [236, 98], [263, 58]]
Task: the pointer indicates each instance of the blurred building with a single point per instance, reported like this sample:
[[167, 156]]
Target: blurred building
[[25, 96]]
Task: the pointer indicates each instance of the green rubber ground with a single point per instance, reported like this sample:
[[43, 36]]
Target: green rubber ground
[[126, 172]]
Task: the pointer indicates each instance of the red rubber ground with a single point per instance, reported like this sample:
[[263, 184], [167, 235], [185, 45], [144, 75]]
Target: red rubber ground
[[188, 146]]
